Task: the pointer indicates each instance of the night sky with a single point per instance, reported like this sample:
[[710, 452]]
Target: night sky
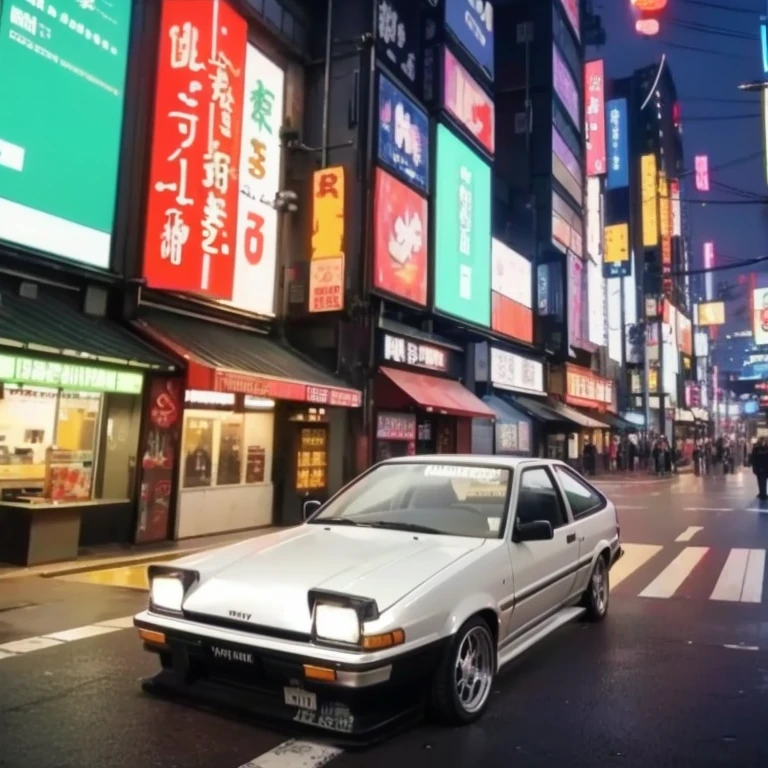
[[738, 231]]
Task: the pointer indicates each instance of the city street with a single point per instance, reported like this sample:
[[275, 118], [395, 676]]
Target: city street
[[678, 673]]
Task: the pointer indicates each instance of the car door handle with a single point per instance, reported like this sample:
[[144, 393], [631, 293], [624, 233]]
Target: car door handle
[[570, 538]]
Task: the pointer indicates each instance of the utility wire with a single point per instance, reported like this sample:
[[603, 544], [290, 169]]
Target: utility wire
[[705, 118], [742, 102], [720, 7], [710, 51], [745, 193], [705, 29]]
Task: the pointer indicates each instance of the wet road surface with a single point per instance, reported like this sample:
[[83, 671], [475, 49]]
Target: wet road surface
[[678, 673]]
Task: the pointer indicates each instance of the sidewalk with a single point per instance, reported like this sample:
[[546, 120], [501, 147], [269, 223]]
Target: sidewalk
[[116, 556]]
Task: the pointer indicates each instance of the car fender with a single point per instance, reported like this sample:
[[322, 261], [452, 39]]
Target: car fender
[[602, 546], [467, 607]]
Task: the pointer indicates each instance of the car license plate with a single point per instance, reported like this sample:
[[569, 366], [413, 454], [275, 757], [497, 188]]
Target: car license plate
[[232, 655], [296, 697]]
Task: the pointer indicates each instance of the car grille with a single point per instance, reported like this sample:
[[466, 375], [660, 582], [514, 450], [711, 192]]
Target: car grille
[[243, 626]]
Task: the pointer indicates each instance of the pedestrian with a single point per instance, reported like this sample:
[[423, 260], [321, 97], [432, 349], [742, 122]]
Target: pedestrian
[[632, 455], [589, 458], [667, 452], [697, 457], [759, 461], [613, 450], [658, 457]]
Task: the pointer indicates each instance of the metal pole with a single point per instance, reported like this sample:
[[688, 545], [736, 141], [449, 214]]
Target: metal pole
[[327, 83]]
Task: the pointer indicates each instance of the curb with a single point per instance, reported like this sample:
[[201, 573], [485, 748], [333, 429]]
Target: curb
[[121, 563]]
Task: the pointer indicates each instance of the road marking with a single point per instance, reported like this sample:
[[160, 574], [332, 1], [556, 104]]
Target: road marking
[[656, 493], [629, 506], [30, 644], [708, 509], [126, 622], [635, 556], [6, 655], [81, 633], [295, 754], [742, 647], [669, 580], [731, 582], [689, 532], [753, 579], [756, 509]]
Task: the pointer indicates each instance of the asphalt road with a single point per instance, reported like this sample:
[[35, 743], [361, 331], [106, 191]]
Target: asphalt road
[[677, 675]]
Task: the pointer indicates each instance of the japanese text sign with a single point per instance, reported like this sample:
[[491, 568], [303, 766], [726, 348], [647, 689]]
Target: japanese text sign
[[511, 293], [701, 165], [471, 22], [397, 36], [517, 373], [616, 262], [400, 240], [468, 102], [192, 203], [396, 426], [594, 111], [565, 87], [586, 388], [259, 183], [403, 134], [397, 349], [462, 271], [648, 192], [618, 155], [58, 375], [61, 116], [326, 269]]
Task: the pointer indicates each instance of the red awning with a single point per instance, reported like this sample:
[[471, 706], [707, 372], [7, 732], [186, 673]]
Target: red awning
[[439, 395], [225, 359]]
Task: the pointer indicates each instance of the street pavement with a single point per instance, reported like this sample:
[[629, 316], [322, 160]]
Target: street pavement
[[677, 674]]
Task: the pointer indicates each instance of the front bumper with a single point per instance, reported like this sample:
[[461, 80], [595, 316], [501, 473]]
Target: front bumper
[[361, 702]]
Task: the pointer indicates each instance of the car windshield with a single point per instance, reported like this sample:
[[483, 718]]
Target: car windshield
[[449, 499]]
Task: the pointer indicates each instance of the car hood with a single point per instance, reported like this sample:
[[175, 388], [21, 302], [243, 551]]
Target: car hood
[[267, 584]]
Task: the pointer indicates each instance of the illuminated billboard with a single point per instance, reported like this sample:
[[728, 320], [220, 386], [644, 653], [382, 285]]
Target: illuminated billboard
[[594, 110], [648, 176], [760, 311], [710, 313]]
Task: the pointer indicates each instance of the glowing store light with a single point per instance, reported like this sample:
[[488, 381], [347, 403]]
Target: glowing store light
[[204, 397], [764, 43], [648, 27], [263, 403]]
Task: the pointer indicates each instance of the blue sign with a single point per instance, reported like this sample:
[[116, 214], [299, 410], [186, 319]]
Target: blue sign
[[471, 22], [618, 156], [398, 39], [403, 134]]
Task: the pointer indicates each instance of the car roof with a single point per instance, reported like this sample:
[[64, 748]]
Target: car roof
[[473, 459]]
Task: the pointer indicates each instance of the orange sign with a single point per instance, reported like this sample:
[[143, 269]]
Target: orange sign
[[326, 269], [584, 388]]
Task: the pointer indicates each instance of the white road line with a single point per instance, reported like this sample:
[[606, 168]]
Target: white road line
[[6, 655], [708, 509], [731, 582], [81, 633], [29, 644], [629, 506], [689, 532], [742, 647], [756, 509], [753, 579], [635, 556], [295, 754], [669, 580], [125, 622]]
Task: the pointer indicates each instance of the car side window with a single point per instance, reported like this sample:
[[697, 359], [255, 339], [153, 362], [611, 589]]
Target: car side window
[[539, 499], [583, 500]]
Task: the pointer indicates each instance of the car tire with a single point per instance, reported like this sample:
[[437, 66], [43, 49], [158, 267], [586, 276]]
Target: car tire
[[463, 681], [598, 592]]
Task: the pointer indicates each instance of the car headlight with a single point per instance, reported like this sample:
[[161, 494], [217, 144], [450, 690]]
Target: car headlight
[[337, 623], [167, 593], [168, 586]]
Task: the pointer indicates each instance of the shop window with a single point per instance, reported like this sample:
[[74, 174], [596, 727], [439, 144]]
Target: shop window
[[222, 448], [67, 446]]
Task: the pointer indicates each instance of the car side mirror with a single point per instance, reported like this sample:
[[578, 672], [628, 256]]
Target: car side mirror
[[538, 530], [309, 508]]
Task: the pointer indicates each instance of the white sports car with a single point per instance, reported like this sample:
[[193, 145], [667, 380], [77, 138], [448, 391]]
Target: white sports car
[[412, 586]]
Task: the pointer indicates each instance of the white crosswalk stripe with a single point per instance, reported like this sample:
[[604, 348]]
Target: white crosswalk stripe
[[671, 578]]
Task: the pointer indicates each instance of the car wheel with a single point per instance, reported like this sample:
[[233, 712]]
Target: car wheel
[[597, 594], [463, 681]]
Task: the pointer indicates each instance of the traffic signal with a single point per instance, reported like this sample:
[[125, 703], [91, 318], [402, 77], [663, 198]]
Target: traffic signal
[[648, 14]]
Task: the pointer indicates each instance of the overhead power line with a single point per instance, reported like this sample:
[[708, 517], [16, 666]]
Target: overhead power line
[[710, 51], [705, 118], [706, 29], [743, 102], [721, 7]]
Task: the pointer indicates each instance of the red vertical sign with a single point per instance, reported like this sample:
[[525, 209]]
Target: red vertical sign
[[594, 111], [191, 229]]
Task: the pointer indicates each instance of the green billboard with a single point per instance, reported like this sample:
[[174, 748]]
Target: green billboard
[[61, 110], [462, 266]]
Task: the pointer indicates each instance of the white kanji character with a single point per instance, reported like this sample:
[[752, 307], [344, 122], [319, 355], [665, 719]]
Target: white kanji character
[[174, 237], [187, 127], [87, 5], [214, 213], [184, 42], [387, 22], [217, 169], [179, 188], [407, 237]]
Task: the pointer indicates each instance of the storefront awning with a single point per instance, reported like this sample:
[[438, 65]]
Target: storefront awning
[[587, 422], [616, 423], [221, 358], [52, 325], [504, 411], [439, 395], [540, 410]]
